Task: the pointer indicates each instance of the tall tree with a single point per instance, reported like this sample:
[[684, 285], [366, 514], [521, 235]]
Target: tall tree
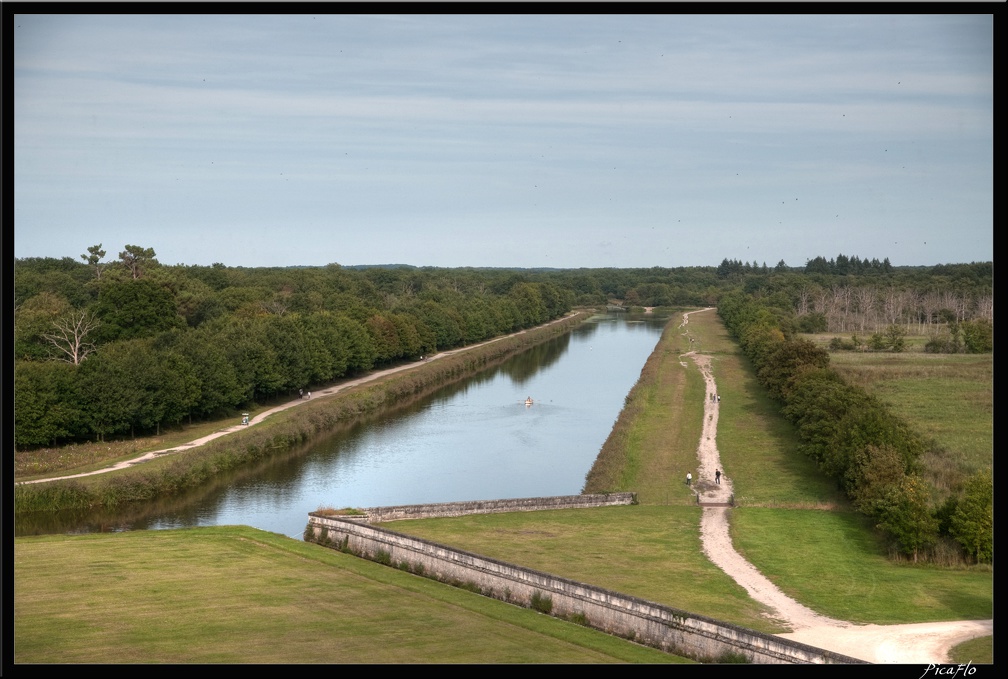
[[94, 257], [136, 258], [973, 522]]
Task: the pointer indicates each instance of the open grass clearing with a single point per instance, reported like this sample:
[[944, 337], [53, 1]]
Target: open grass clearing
[[947, 397], [833, 563], [652, 552], [240, 595]]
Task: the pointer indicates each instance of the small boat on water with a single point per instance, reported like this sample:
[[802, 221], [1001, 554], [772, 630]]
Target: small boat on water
[[528, 402]]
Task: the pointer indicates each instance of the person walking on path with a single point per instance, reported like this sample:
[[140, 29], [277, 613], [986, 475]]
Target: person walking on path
[[717, 476], [689, 478]]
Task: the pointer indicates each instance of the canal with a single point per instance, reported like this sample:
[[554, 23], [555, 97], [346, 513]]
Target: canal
[[474, 440]]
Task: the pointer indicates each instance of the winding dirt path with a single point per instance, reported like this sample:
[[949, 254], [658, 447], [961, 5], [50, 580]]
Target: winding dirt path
[[921, 643]]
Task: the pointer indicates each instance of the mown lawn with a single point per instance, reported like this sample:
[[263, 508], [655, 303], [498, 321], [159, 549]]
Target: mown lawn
[[240, 595], [649, 551]]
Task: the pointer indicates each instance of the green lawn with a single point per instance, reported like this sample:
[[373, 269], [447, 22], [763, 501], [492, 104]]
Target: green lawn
[[239, 595], [649, 551]]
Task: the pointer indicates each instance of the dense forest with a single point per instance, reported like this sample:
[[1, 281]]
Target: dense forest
[[126, 346]]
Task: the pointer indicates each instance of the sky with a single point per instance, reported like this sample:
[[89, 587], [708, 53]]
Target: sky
[[510, 140]]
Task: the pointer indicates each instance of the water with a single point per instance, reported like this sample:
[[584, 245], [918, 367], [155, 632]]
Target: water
[[473, 441]]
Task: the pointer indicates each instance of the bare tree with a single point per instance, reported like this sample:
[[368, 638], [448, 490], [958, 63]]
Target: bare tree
[[985, 307], [277, 306], [892, 306], [823, 304], [841, 304], [930, 303], [804, 296], [70, 333], [864, 297], [910, 304]]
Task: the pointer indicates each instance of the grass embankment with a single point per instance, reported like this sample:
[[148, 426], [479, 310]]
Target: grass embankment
[[171, 474], [791, 523], [655, 437], [239, 595]]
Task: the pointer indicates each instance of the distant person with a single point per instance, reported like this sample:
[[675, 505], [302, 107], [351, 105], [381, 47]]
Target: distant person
[[300, 393], [309, 394], [689, 478], [717, 476]]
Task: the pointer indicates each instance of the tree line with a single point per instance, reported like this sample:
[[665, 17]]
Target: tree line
[[855, 439], [128, 346]]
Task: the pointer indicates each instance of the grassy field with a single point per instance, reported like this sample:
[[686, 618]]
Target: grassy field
[[649, 551], [240, 595], [949, 398]]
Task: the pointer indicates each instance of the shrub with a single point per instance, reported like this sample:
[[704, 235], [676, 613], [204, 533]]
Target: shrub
[[905, 516], [972, 522], [978, 336], [541, 602]]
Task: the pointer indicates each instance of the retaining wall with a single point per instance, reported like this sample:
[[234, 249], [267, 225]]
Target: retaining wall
[[672, 630], [529, 504]]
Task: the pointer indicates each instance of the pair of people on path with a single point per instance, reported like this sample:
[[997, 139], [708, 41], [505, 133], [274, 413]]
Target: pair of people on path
[[717, 477]]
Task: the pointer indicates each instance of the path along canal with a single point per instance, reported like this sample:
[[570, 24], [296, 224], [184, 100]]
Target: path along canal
[[474, 440]]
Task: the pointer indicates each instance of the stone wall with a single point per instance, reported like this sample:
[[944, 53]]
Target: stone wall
[[656, 625], [529, 504]]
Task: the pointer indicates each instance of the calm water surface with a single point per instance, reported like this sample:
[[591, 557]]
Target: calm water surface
[[472, 441]]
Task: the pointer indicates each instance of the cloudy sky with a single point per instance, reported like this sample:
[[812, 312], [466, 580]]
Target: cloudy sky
[[510, 140]]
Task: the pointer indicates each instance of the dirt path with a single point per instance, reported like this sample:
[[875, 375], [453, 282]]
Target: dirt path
[[921, 643], [329, 391]]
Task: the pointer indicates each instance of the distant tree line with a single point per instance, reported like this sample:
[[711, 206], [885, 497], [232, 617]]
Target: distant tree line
[[127, 346], [854, 438]]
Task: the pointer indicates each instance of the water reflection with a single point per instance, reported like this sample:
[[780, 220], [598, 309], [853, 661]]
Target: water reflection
[[473, 440]]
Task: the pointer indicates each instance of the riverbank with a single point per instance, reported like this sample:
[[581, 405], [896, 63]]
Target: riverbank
[[167, 471]]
